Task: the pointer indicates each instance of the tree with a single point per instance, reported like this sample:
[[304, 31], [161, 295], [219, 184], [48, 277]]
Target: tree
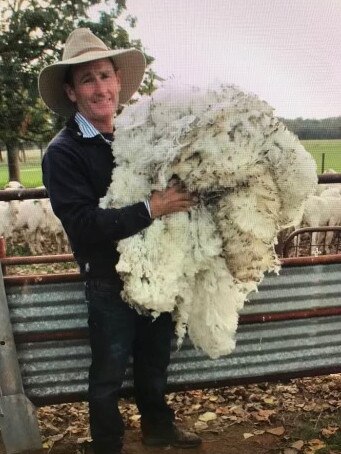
[[32, 33], [311, 128]]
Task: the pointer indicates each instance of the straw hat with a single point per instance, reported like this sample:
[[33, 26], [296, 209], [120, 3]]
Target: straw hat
[[83, 46]]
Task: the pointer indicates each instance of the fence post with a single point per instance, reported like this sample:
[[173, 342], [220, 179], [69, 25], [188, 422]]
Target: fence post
[[18, 423], [3, 253], [323, 160]]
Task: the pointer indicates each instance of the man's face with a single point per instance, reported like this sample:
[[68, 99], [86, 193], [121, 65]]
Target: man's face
[[95, 90]]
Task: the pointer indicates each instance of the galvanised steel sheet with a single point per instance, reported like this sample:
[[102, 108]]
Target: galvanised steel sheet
[[52, 307], [263, 349]]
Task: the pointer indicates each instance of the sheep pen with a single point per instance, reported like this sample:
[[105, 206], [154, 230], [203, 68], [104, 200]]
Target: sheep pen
[[252, 177]]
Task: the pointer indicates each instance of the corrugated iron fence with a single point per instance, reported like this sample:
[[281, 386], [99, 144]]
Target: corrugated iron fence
[[290, 328]]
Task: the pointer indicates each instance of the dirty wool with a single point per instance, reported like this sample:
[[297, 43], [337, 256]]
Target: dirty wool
[[252, 177]]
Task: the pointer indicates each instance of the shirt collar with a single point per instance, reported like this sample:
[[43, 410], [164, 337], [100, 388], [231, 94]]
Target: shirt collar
[[87, 129]]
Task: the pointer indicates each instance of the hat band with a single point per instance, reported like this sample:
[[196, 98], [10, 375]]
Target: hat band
[[85, 51]]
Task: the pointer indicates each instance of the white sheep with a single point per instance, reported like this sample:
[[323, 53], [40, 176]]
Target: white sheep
[[8, 215], [52, 229], [28, 223], [322, 211], [13, 185], [331, 192], [32, 222], [9, 212], [247, 169]]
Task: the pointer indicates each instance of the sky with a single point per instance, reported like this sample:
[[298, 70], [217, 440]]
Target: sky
[[288, 52]]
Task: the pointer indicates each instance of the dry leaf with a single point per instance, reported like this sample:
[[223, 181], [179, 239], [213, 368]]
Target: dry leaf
[[82, 440], [222, 411], [135, 418], [309, 407], [263, 415], [298, 445], [276, 431], [315, 445], [258, 432], [52, 428], [289, 451], [200, 425], [196, 407], [316, 442], [329, 431], [55, 438], [247, 435], [208, 416]]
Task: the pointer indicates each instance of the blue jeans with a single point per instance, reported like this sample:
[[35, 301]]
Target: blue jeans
[[117, 331]]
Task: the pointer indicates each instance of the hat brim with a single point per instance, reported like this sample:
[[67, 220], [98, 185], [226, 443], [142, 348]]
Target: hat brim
[[130, 62]]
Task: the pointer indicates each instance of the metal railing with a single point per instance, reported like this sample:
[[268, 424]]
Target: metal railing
[[293, 243]]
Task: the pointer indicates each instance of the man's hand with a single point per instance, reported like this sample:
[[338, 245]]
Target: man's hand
[[171, 200]]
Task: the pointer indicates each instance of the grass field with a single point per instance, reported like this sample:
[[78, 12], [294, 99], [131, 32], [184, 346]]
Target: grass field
[[331, 149], [31, 171]]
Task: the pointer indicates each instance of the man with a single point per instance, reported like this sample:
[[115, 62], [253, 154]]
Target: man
[[87, 87]]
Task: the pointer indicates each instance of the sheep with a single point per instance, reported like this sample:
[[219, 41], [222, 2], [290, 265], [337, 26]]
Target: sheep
[[8, 215], [12, 184], [52, 228], [247, 169], [33, 223], [326, 218], [28, 223], [9, 212], [331, 192], [322, 211]]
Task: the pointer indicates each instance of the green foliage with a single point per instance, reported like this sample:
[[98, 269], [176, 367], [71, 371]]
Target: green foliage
[[15, 249], [327, 128]]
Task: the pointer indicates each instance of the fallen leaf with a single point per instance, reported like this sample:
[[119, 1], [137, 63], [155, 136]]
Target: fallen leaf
[[298, 445], [196, 407], [276, 431], [258, 432], [52, 428], [329, 431], [208, 416], [263, 415], [247, 435], [315, 445], [309, 407], [289, 451], [82, 440], [200, 425], [55, 438], [222, 411], [135, 418]]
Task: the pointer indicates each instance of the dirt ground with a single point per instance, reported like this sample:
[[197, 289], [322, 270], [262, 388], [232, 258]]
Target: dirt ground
[[229, 441], [302, 416]]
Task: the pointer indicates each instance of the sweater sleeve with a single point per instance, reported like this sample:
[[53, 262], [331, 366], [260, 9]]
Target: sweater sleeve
[[75, 204]]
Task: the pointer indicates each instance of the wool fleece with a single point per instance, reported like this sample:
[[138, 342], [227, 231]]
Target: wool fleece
[[252, 177]]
